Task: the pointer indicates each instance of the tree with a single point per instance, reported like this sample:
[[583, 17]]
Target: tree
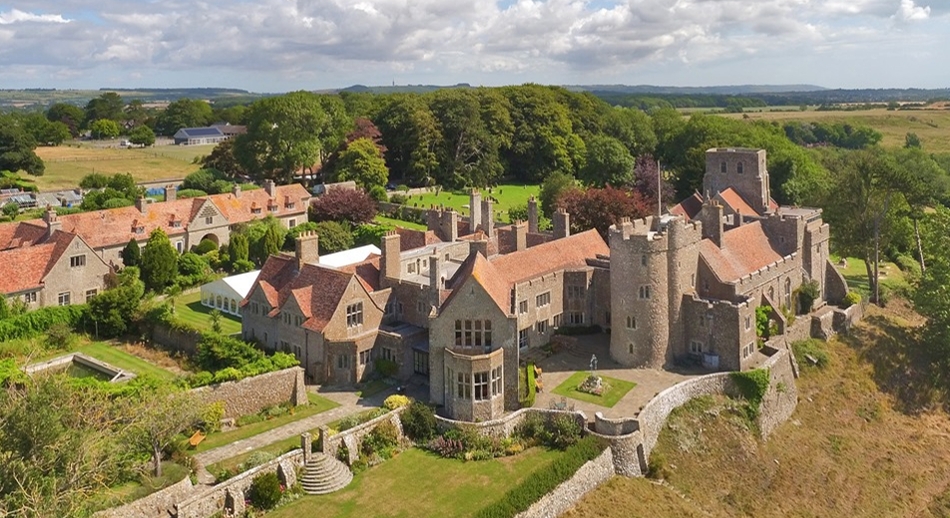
[[131, 254], [543, 141], [70, 115], [926, 186], [363, 163], [631, 127], [16, 149], [648, 178], [269, 244], [11, 209], [159, 261], [44, 131], [601, 208], [411, 136], [334, 237], [107, 106], [911, 140], [237, 249], [608, 163], [104, 128], [932, 298], [142, 136], [551, 190], [164, 412], [283, 136], [222, 160], [183, 113], [113, 309], [352, 206]]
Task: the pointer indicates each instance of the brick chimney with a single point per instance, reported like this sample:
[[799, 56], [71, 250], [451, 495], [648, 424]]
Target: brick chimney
[[270, 187], [389, 264], [519, 233], [488, 218], [306, 248], [236, 190], [142, 204], [171, 193], [436, 282], [532, 215], [561, 223], [479, 245], [52, 224], [474, 211]]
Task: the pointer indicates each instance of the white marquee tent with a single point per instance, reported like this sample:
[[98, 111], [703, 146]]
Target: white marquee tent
[[226, 294]]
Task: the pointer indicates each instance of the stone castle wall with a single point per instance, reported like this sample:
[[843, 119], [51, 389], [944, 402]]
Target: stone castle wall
[[330, 444], [505, 426], [592, 474], [251, 395], [155, 504]]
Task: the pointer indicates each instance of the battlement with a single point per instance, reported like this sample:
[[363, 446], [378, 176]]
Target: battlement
[[713, 304], [781, 264]]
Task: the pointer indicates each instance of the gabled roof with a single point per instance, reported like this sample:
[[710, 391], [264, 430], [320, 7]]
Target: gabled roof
[[482, 271], [207, 131], [367, 272], [736, 202], [25, 233], [410, 239], [558, 254], [745, 249], [689, 207], [27, 266], [319, 304], [277, 272]]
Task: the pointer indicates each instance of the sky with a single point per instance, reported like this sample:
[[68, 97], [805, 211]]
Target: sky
[[284, 45]]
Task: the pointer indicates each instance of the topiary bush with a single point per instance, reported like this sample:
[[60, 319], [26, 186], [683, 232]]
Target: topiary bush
[[396, 401], [265, 491], [418, 422]]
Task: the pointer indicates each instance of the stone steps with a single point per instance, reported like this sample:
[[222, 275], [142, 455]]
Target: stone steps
[[324, 474]]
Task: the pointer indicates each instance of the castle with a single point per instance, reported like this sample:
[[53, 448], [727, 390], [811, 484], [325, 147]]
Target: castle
[[460, 303]]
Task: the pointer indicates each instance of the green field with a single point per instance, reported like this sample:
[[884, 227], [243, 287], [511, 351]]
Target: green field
[[417, 484], [317, 405], [66, 165], [188, 309], [616, 389], [856, 274], [508, 195], [117, 357]]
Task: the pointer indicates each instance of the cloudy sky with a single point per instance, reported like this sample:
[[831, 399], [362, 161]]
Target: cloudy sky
[[281, 45]]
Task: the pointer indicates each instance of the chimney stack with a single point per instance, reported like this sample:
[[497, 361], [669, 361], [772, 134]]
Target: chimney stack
[[474, 211], [389, 264], [561, 223], [236, 190], [142, 204], [711, 217], [270, 187], [532, 215], [52, 224], [488, 218], [171, 193], [306, 248], [436, 285], [519, 232], [479, 245]]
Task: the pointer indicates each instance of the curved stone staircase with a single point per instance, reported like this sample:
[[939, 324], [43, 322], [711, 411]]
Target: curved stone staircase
[[324, 474]]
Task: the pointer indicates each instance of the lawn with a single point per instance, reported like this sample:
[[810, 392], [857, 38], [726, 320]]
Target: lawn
[[113, 355], [508, 195], [188, 309], [399, 223], [856, 274], [276, 449], [65, 166], [616, 389], [133, 490], [318, 404], [420, 484]]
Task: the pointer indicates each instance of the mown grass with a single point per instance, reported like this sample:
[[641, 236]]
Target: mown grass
[[113, 355], [66, 165], [508, 195], [419, 484], [188, 309], [616, 389], [318, 404], [867, 439], [399, 223], [172, 473], [856, 274]]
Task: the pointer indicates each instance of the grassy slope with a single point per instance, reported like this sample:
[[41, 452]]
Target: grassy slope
[[188, 309], [930, 125], [65, 166], [864, 441], [418, 484]]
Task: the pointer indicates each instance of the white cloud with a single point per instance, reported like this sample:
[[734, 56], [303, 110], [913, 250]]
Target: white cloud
[[910, 12], [16, 15]]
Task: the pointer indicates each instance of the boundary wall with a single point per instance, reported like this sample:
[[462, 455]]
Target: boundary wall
[[251, 395], [353, 438], [155, 504]]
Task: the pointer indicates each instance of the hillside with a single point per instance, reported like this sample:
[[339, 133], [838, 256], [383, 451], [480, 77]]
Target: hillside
[[864, 441]]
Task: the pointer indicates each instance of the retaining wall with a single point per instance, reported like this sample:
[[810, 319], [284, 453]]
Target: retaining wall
[[251, 395], [155, 505], [230, 493], [506, 425], [592, 474], [330, 444], [176, 340]]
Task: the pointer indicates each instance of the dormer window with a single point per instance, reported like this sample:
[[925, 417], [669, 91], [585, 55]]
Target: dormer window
[[138, 229], [255, 209], [175, 223], [288, 202]]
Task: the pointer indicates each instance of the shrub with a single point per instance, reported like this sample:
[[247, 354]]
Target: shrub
[[752, 386], [531, 388], [384, 437], [533, 430], [811, 349], [386, 368], [565, 431], [227, 374], [212, 416], [258, 458], [908, 265], [205, 246], [418, 421], [398, 199], [59, 336], [851, 299], [36, 322], [657, 467], [396, 401], [200, 379], [378, 193], [265, 491], [808, 293], [447, 447], [334, 237], [352, 206]]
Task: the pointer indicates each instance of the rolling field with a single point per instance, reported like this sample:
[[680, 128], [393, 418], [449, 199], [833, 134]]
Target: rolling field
[[932, 126], [65, 166]]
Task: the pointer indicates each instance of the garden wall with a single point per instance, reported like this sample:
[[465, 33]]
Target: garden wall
[[230, 493], [505, 426], [353, 437], [176, 340], [251, 395], [592, 474], [154, 505]]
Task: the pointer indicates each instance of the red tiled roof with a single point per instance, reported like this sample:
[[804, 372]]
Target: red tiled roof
[[322, 303], [689, 207], [27, 266], [277, 271], [736, 202], [487, 276], [367, 272], [569, 252], [745, 249], [25, 233]]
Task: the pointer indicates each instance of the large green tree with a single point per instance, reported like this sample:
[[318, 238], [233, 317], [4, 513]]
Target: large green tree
[[104, 129], [142, 136], [183, 113], [113, 309], [608, 163], [164, 412], [107, 106], [159, 261], [412, 139], [131, 254], [362, 162], [284, 135], [17, 149], [69, 114]]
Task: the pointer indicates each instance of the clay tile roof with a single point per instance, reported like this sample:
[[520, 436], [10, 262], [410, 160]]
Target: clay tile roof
[[331, 285], [689, 207], [277, 271], [736, 202], [745, 249], [487, 276], [25, 233], [569, 252], [32, 263], [367, 272]]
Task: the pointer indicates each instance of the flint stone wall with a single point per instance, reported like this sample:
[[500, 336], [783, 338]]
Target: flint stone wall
[[506, 425], [251, 395], [155, 505], [353, 437], [176, 340], [592, 474]]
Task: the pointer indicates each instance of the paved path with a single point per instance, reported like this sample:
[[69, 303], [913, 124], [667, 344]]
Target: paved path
[[349, 402]]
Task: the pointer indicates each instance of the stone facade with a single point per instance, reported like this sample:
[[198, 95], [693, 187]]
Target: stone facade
[[251, 395]]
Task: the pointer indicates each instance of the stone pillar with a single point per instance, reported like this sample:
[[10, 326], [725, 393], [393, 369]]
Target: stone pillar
[[286, 473], [532, 215], [306, 444], [234, 502]]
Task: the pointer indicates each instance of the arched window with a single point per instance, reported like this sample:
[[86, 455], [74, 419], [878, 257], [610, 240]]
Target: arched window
[[722, 167], [233, 306], [739, 168], [771, 294], [788, 293], [218, 302]]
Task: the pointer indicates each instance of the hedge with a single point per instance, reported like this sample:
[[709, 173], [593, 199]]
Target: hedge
[[532, 388], [519, 498], [39, 321]]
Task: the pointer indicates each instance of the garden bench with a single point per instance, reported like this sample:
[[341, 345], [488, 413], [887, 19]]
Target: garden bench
[[196, 439]]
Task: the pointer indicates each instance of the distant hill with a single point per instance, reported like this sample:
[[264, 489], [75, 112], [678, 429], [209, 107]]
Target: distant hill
[[696, 90]]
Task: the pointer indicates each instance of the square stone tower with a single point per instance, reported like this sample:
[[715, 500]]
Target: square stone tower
[[742, 169]]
